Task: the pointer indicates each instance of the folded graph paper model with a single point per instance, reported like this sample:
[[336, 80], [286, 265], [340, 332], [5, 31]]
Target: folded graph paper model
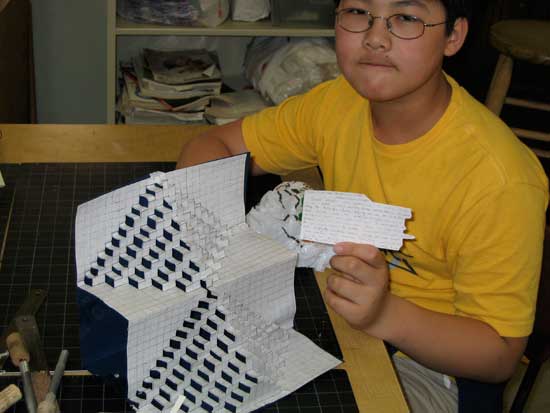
[[181, 298]]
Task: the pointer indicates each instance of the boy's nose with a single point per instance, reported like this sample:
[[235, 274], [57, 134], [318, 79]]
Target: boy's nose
[[378, 36]]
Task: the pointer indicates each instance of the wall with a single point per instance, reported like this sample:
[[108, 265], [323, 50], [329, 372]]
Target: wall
[[70, 50], [70, 56]]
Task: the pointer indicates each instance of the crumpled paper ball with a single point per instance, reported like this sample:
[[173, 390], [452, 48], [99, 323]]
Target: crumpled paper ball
[[278, 216]]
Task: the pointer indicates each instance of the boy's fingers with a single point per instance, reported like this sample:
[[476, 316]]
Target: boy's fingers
[[336, 272], [345, 288], [367, 253], [337, 303], [349, 277], [353, 267]]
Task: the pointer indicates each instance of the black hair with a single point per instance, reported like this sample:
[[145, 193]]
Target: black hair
[[455, 9]]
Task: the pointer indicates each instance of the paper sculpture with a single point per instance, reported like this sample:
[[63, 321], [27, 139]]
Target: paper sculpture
[[182, 299], [278, 216]]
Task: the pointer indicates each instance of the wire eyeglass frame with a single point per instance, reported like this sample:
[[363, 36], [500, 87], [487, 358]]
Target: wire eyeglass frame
[[372, 18]]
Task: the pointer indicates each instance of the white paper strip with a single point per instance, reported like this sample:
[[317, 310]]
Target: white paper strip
[[178, 404]]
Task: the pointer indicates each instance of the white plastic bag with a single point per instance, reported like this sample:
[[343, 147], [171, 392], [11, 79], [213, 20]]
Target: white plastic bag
[[213, 12], [250, 10], [281, 68], [278, 216]]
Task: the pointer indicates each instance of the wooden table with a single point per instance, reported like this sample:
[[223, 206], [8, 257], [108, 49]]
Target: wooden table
[[373, 379]]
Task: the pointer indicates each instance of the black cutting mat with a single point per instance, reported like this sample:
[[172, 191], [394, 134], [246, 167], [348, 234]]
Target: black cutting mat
[[312, 319], [39, 253], [328, 393], [39, 250]]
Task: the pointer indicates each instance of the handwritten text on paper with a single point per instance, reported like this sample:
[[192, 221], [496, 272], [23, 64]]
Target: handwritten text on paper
[[331, 217]]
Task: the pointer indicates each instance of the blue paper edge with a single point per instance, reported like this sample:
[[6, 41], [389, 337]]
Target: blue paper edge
[[103, 336]]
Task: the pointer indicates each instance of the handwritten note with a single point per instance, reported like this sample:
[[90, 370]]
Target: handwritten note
[[332, 217]]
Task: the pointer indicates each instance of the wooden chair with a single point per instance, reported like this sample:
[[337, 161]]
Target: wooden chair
[[538, 347], [525, 40]]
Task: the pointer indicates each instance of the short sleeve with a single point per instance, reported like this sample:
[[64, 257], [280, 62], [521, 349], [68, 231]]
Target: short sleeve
[[286, 138], [496, 257]]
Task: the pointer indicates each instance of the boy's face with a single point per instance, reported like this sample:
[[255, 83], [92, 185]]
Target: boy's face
[[383, 67]]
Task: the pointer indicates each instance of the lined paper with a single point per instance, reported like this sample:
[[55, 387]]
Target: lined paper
[[330, 217]]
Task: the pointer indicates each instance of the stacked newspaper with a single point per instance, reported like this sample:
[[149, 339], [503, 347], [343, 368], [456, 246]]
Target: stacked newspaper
[[228, 107], [169, 86]]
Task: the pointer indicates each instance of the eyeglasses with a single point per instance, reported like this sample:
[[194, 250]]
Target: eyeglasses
[[403, 26]]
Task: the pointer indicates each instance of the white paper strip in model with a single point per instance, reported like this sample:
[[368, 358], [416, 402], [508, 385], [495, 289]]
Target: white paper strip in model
[[330, 217]]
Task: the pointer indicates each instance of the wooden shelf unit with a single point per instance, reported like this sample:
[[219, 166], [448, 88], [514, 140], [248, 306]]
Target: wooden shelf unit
[[117, 27]]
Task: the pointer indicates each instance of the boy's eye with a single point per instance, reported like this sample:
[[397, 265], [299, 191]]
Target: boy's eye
[[356, 12], [405, 18]]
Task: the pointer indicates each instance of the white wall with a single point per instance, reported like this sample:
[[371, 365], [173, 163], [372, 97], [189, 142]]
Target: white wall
[[70, 58]]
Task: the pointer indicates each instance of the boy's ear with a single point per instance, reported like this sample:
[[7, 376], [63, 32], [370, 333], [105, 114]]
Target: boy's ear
[[456, 39]]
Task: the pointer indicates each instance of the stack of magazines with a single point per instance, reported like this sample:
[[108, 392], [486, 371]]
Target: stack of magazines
[[229, 107], [169, 87]]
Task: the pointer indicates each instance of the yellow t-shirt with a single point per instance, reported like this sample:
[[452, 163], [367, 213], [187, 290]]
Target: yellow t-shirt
[[478, 196]]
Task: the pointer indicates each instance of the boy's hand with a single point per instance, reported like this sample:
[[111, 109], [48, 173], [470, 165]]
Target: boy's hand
[[361, 294]]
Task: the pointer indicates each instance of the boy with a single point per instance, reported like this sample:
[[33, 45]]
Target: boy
[[459, 300]]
